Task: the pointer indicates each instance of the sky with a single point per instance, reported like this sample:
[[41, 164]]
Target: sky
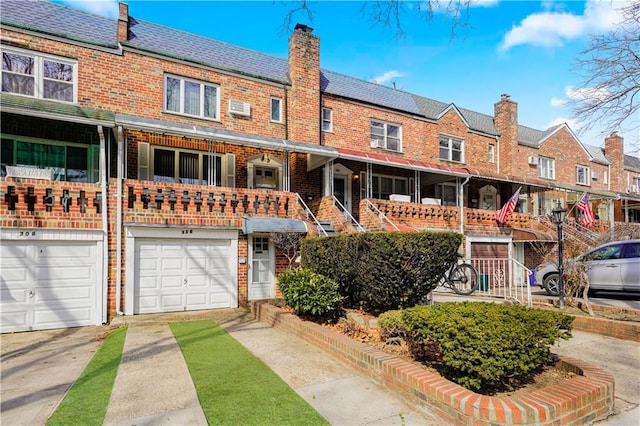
[[526, 49]]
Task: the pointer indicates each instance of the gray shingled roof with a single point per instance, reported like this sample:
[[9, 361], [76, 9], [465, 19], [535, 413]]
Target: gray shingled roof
[[534, 137], [597, 154], [195, 48], [365, 91], [59, 20], [480, 122], [428, 107], [632, 162]]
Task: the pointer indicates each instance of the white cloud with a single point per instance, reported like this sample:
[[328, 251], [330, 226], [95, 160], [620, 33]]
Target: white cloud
[[107, 8], [557, 102], [387, 76], [553, 28], [587, 93], [483, 3]]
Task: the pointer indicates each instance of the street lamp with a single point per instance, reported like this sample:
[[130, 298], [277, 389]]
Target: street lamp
[[558, 215]]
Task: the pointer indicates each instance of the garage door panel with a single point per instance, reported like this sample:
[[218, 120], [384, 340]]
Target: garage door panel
[[13, 320], [47, 274], [16, 295], [48, 318], [64, 253], [70, 295], [193, 274]]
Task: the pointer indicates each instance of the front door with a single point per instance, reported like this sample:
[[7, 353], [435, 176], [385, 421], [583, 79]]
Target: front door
[[261, 284], [341, 191]]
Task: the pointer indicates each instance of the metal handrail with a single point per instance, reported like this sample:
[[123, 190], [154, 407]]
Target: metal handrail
[[348, 215], [308, 212], [380, 214]]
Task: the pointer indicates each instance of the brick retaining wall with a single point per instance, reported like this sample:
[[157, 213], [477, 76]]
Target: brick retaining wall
[[582, 399]]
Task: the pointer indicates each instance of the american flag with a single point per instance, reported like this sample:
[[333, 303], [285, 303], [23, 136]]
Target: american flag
[[507, 209], [584, 205]]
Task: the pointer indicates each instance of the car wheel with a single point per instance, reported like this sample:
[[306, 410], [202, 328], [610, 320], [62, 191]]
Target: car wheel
[[551, 283]]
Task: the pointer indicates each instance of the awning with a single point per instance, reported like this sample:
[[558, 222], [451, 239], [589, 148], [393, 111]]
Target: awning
[[253, 225], [404, 163], [42, 108], [521, 234], [581, 189], [515, 179], [223, 135]]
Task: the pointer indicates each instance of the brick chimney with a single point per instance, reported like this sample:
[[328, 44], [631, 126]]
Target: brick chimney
[[614, 151], [304, 74], [123, 22], [506, 122]]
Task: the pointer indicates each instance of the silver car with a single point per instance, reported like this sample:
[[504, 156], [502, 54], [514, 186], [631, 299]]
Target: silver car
[[611, 266]]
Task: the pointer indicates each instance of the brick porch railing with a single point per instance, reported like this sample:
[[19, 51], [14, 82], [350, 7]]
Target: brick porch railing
[[582, 399]]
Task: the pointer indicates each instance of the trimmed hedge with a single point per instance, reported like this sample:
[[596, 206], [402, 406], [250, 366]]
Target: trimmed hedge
[[379, 271], [482, 346], [310, 294]]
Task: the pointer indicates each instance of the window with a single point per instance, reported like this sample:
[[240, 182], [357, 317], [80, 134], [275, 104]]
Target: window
[[265, 178], [451, 149], [191, 97], [69, 162], [582, 175], [384, 186], [492, 153], [546, 168], [386, 135], [327, 120], [195, 168], [276, 109], [38, 75], [448, 193]]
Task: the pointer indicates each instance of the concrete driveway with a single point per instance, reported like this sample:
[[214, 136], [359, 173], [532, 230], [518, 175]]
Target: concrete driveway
[[37, 368]]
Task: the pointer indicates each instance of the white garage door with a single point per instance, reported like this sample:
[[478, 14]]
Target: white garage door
[[182, 275], [48, 284]]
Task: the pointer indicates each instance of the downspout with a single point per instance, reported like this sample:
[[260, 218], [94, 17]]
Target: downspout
[[497, 153], [119, 221], [105, 226], [461, 198]]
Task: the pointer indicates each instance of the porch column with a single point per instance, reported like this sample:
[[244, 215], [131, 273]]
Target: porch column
[[286, 173], [328, 179], [369, 183], [416, 185]]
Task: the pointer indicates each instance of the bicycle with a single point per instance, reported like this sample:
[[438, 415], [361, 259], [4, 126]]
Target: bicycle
[[462, 278]]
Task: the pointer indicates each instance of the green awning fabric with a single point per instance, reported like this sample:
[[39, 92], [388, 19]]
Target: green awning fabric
[[253, 225]]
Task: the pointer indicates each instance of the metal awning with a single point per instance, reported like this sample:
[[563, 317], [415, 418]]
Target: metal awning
[[253, 225], [522, 234], [223, 135], [580, 189], [52, 110]]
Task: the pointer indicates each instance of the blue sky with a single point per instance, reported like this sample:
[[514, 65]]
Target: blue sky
[[526, 49]]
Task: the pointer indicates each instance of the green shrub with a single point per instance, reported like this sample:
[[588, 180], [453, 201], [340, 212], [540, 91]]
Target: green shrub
[[310, 294], [392, 325], [381, 271], [487, 346]]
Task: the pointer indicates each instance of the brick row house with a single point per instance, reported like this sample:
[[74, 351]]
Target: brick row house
[[144, 169]]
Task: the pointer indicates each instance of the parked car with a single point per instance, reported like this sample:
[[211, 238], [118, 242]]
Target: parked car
[[611, 266]]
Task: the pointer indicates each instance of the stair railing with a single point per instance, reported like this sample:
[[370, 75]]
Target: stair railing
[[348, 215], [309, 214], [380, 214]]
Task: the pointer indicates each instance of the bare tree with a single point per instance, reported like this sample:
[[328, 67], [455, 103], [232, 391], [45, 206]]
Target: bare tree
[[287, 243], [389, 13], [610, 72]]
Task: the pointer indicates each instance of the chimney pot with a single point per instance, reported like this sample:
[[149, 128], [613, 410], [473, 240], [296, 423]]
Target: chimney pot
[[304, 28]]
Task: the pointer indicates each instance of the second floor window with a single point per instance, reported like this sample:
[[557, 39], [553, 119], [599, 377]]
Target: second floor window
[[276, 110], [582, 175], [451, 149], [38, 75], [386, 135], [492, 153], [327, 120], [191, 97], [546, 168]]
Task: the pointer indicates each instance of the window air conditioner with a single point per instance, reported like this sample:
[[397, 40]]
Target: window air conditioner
[[594, 175], [239, 108], [634, 188], [377, 143], [533, 160]]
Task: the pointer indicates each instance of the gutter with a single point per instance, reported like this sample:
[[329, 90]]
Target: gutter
[[105, 226]]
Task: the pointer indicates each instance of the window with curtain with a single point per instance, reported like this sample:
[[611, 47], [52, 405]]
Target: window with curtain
[[164, 165], [193, 168], [384, 186], [191, 97], [38, 75], [276, 109]]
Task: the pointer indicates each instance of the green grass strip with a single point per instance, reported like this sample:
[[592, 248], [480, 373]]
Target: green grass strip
[[87, 401], [234, 387]]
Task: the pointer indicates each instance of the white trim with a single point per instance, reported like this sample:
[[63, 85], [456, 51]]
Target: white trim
[[280, 109], [202, 84], [456, 110], [133, 232]]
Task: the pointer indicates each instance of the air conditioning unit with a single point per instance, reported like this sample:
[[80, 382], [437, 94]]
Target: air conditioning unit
[[239, 108], [377, 143], [533, 160], [594, 175], [634, 188]]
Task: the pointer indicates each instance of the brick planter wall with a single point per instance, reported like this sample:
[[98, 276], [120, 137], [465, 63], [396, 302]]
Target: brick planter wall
[[582, 399]]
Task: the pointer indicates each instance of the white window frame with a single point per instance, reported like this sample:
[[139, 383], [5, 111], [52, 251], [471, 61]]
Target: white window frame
[[546, 168], [327, 122], [38, 73], [214, 174], [386, 126], [203, 85], [394, 179], [450, 140], [585, 171], [492, 153], [277, 119], [440, 193]]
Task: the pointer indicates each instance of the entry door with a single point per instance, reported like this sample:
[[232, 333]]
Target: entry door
[[261, 285], [341, 190]]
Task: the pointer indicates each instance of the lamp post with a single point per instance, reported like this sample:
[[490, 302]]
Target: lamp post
[[558, 216]]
